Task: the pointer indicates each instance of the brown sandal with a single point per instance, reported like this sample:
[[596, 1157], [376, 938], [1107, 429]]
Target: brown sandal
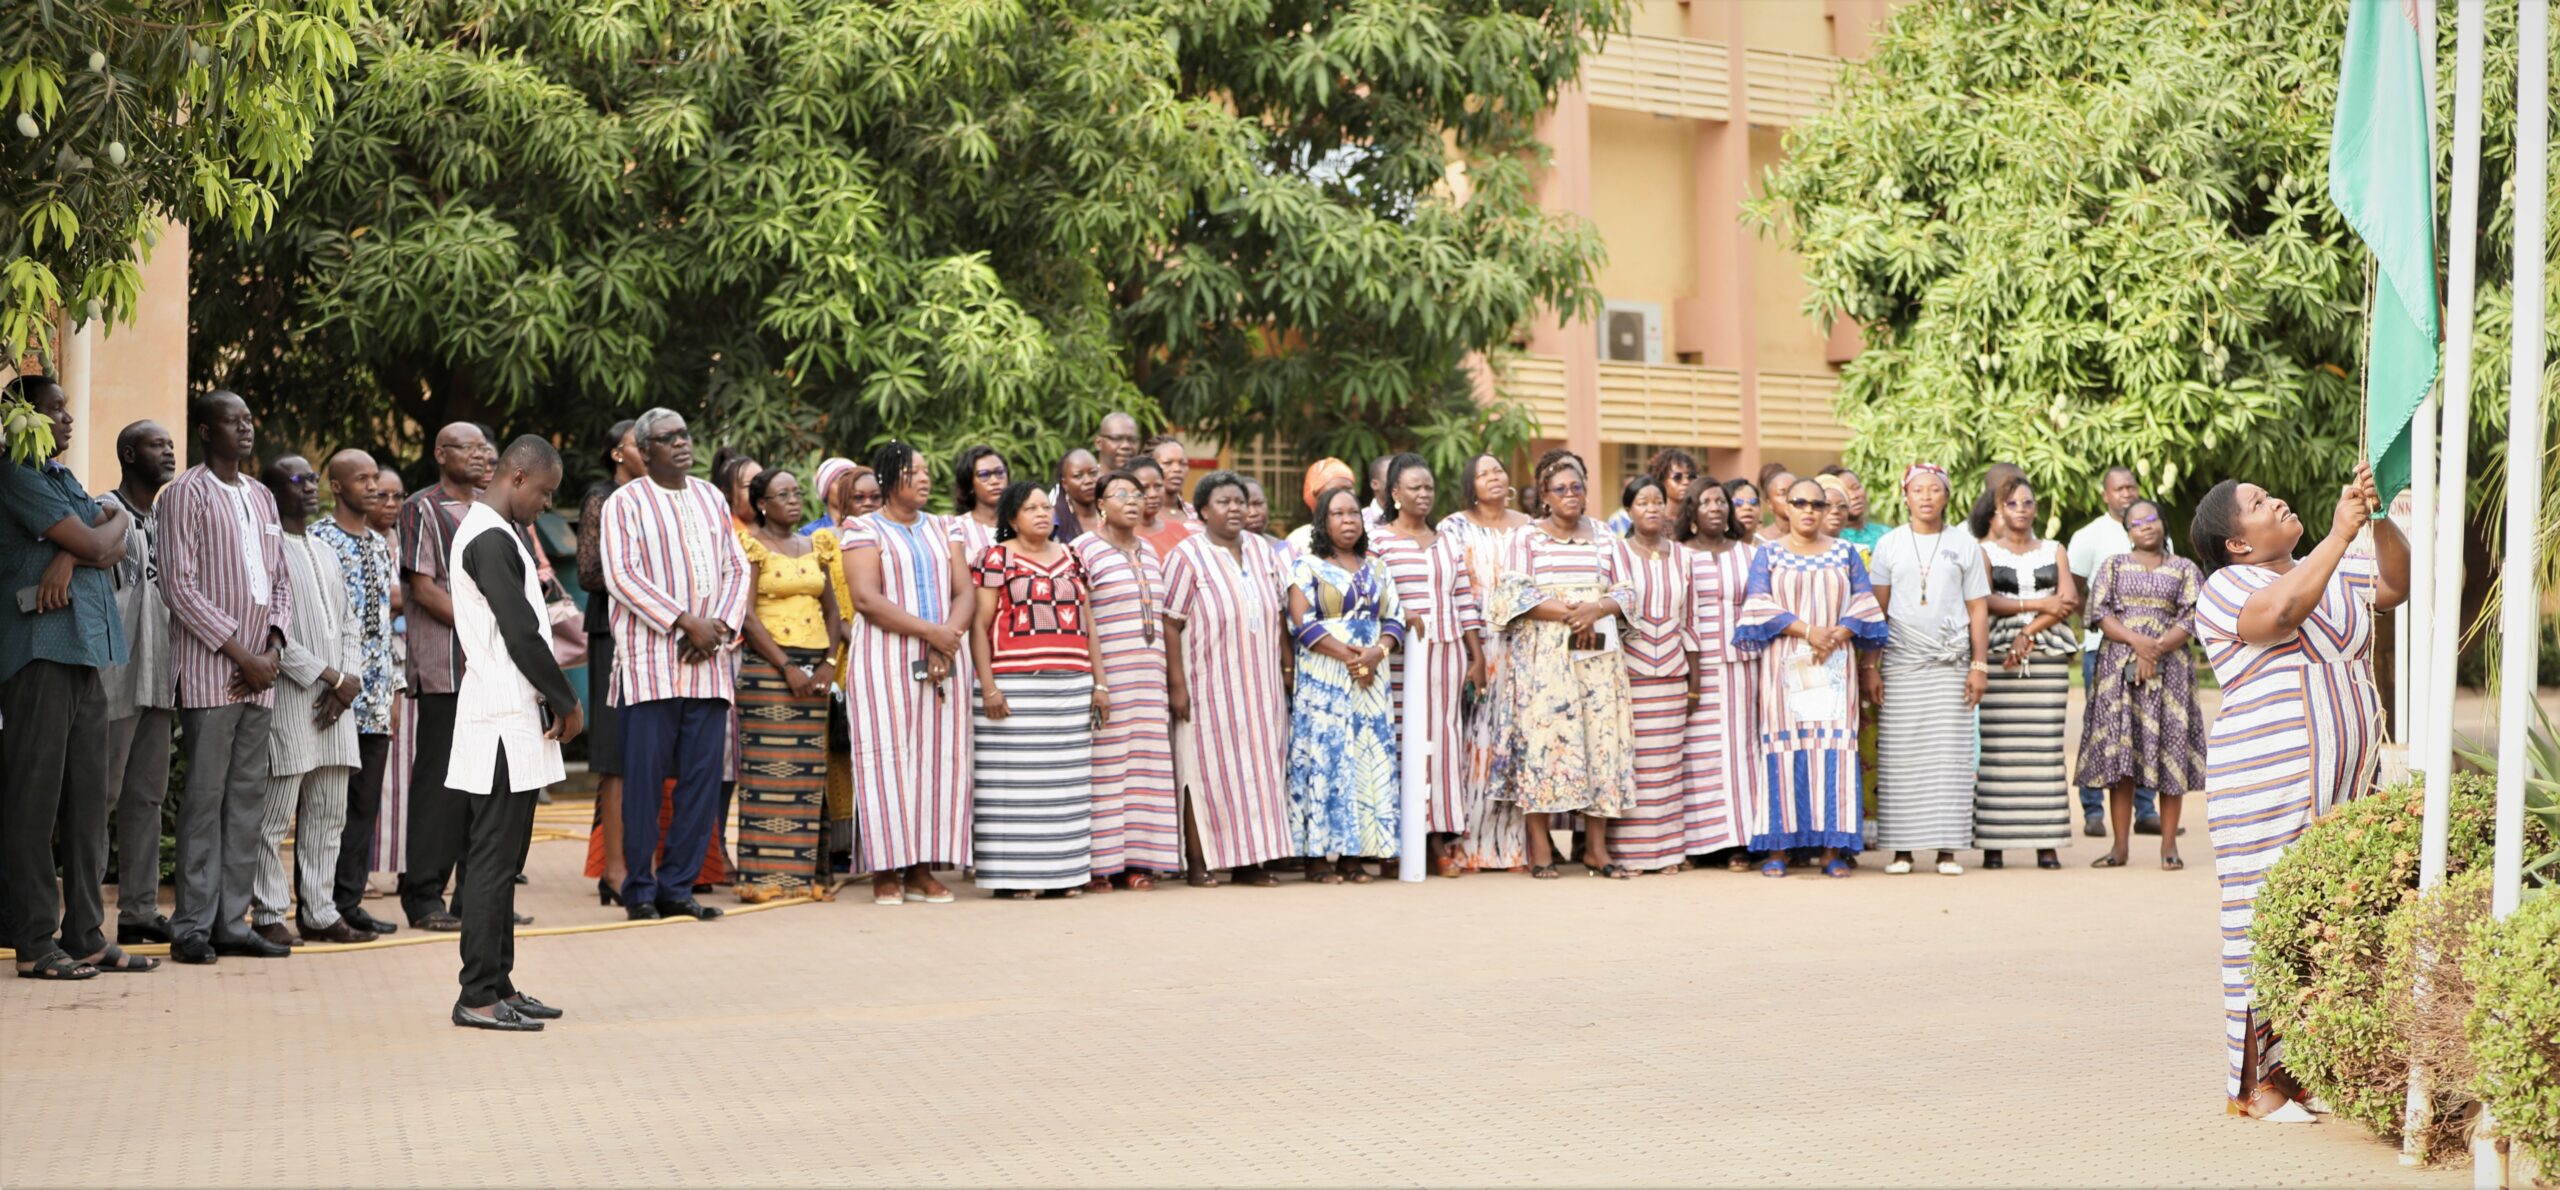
[[1200, 878], [1136, 881]]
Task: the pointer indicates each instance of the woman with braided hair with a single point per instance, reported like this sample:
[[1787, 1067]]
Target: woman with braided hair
[[1563, 596]]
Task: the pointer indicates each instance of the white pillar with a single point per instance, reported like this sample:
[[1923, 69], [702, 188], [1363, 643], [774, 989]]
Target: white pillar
[[2462, 259]]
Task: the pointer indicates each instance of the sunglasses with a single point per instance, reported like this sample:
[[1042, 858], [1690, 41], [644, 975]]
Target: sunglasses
[[1746, 502], [671, 437], [1567, 489], [1809, 504], [303, 481], [996, 472]]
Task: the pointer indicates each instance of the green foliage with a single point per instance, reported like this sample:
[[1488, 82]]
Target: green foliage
[[2079, 232], [124, 114], [2514, 966], [820, 224], [2541, 796], [2319, 932], [26, 434]]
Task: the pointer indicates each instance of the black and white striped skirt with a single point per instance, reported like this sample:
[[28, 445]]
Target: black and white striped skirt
[[2023, 797], [1924, 759], [1032, 819]]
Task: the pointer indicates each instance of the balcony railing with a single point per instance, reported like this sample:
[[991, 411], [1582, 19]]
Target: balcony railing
[[1683, 77], [1686, 404], [1660, 76], [1796, 414]]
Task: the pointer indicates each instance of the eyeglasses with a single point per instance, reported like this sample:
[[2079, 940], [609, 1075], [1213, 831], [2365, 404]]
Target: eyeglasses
[[1745, 502], [671, 437], [1125, 494], [1567, 489], [1809, 503], [303, 481], [996, 472]]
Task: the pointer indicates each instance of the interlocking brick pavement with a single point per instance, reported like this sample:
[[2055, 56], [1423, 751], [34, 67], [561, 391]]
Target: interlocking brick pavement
[[2004, 1028]]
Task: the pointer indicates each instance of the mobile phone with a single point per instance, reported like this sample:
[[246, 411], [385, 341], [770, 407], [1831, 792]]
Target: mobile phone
[[27, 601], [921, 669]]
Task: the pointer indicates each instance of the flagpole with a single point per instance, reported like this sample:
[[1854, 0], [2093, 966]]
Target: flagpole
[[2462, 257], [2421, 721], [2520, 604]]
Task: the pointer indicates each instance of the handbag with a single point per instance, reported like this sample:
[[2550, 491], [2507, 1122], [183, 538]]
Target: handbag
[[568, 633]]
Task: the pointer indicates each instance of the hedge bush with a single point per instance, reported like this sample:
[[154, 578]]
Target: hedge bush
[[2514, 967], [2319, 931], [2426, 940]]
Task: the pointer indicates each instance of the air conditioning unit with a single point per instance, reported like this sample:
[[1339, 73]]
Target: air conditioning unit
[[1631, 333]]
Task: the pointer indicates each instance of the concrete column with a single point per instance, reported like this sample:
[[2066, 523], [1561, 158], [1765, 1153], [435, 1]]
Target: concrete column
[[1566, 130], [1719, 323], [138, 369]]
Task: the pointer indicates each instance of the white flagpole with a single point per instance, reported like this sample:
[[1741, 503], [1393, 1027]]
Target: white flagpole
[[2462, 257], [2521, 598], [2421, 721], [1412, 851]]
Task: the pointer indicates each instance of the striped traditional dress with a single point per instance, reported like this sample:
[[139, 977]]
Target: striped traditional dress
[[1661, 637], [2023, 797], [1924, 730], [1808, 795], [2296, 736], [1434, 585], [1497, 831], [910, 738], [1137, 805], [1230, 754], [1723, 739], [1033, 804]]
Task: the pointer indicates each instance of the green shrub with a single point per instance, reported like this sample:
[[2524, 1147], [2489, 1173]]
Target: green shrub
[[2514, 967], [2319, 932]]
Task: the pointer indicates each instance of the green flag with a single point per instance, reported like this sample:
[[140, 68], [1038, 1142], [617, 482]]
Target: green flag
[[2381, 176]]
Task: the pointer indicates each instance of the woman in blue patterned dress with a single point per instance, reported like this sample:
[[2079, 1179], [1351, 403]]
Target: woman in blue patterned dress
[[1807, 598], [1343, 774], [2291, 641]]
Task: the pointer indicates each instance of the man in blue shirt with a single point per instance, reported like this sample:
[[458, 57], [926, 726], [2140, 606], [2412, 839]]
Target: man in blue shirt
[[58, 627]]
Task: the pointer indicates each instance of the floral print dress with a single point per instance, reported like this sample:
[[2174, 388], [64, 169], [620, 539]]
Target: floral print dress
[[1570, 736], [1344, 779]]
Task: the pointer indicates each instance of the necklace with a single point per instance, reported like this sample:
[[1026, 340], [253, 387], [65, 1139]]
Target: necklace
[[1138, 571], [1928, 559]]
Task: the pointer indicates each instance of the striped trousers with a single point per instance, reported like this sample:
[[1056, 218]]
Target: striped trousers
[[321, 798]]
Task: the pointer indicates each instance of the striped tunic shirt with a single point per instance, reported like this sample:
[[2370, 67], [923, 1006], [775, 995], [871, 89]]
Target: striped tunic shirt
[[1137, 820], [1661, 633], [1231, 752], [206, 583], [1435, 586], [652, 580], [325, 635]]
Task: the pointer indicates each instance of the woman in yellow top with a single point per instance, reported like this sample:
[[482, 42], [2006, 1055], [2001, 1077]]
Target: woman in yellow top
[[783, 681]]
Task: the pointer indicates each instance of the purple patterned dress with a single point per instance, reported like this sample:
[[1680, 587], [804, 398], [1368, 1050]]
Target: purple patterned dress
[[2148, 732]]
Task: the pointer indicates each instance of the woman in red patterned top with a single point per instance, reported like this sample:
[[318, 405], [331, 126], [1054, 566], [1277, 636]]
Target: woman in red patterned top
[[1037, 705]]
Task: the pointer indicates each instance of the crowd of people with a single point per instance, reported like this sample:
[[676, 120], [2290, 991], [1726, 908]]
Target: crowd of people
[[1110, 677]]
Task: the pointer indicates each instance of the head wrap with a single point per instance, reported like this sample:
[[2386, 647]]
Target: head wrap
[[828, 472], [1325, 473], [1831, 484], [1916, 470]]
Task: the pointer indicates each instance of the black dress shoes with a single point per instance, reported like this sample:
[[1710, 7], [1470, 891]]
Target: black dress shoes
[[439, 921], [527, 1006], [365, 921], [641, 912], [139, 933], [193, 949], [524, 919], [501, 1018], [687, 907], [251, 947]]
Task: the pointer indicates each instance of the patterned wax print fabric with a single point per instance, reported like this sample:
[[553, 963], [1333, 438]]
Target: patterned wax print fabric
[[1344, 782], [1569, 739], [1808, 795], [2149, 733]]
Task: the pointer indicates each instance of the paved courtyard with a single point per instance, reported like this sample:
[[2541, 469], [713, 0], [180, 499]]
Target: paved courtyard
[[2004, 1028]]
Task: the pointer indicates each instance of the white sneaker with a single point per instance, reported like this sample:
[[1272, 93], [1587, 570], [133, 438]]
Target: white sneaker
[[1948, 867], [2290, 1113], [1900, 867]]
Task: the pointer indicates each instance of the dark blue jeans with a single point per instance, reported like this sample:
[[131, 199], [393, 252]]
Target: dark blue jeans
[[2093, 800], [683, 738]]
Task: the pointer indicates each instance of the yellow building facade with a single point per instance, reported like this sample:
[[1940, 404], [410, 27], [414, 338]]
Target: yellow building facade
[[1703, 343]]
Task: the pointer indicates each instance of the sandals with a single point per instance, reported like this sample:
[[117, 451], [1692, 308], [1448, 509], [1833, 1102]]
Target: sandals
[[1317, 875], [1255, 876], [1136, 881], [1355, 872], [1196, 878], [2108, 861], [1543, 872], [57, 966], [1740, 862], [1901, 866], [1611, 871], [1099, 884], [114, 960], [2172, 863], [1837, 869], [1775, 868], [888, 892]]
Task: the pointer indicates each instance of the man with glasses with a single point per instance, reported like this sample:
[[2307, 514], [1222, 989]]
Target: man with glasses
[[313, 739], [438, 818], [679, 583], [1116, 442]]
